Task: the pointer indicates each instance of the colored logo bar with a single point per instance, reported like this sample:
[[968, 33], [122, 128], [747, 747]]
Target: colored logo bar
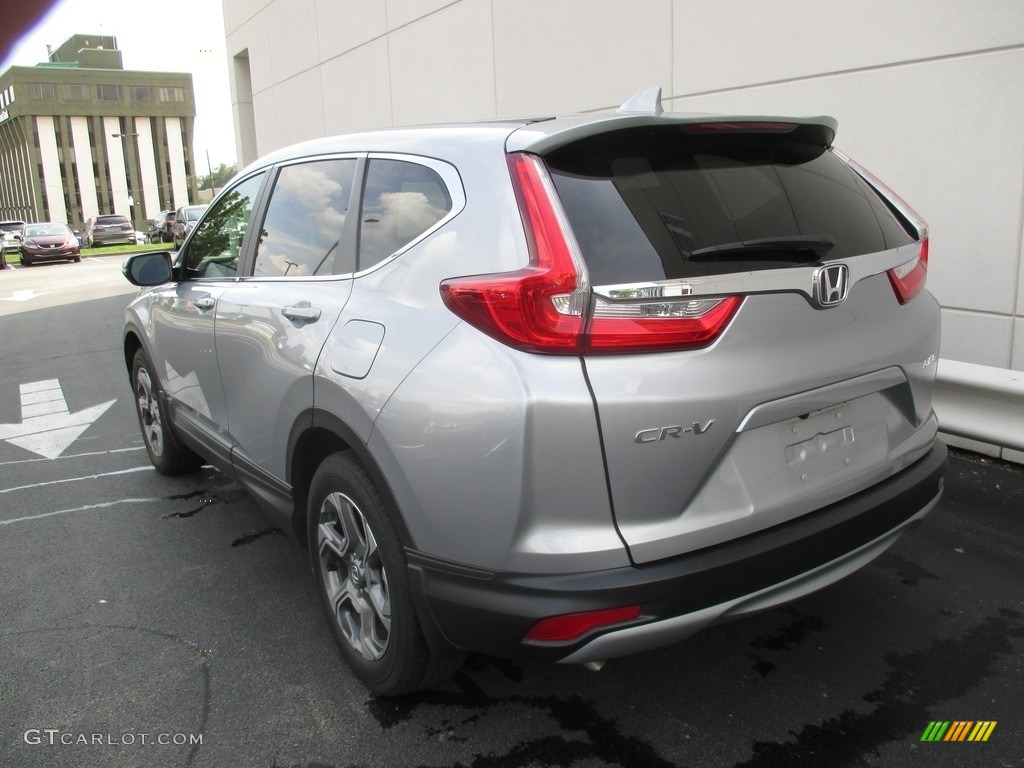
[[959, 730]]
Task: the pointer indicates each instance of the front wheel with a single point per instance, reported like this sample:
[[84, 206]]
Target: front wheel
[[362, 578], [167, 455]]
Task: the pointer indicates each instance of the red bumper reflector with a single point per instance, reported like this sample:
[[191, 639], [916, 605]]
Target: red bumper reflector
[[571, 626]]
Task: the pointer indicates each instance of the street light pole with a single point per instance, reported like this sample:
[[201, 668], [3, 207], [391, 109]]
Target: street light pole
[[209, 168]]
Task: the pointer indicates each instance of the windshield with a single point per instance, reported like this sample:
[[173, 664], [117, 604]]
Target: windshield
[[44, 230]]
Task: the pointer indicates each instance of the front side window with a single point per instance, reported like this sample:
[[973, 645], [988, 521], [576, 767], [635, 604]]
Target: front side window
[[307, 210], [216, 245], [401, 201]]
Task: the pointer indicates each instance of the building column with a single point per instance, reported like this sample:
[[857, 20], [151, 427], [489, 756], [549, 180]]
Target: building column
[[84, 163], [176, 153], [51, 180]]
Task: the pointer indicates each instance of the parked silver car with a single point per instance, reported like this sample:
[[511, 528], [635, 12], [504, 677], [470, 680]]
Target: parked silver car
[[111, 229], [567, 388], [10, 239]]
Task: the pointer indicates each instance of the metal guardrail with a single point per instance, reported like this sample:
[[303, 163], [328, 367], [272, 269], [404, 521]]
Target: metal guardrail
[[980, 402]]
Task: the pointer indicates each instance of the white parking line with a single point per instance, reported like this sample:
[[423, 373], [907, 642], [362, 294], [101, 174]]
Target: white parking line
[[62, 457], [76, 479], [102, 505]]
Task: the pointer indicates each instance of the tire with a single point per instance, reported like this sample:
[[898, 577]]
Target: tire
[[167, 454], [77, 258], [26, 261], [362, 578]]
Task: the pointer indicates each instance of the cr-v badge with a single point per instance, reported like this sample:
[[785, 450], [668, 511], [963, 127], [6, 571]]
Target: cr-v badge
[[657, 434]]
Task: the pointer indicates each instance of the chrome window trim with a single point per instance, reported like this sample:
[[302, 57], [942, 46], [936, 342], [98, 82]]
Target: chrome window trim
[[448, 173]]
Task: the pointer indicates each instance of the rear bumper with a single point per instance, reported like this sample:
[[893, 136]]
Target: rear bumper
[[490, 612]]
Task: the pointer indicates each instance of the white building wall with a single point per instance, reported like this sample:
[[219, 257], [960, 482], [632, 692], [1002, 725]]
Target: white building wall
[[927, 94]]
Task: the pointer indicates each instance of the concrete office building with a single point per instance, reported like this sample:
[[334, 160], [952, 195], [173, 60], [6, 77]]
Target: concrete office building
[[81, 136], [927, 94]]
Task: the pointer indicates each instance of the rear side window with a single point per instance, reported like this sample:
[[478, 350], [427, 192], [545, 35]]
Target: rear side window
[[659, 203], [401, 201]]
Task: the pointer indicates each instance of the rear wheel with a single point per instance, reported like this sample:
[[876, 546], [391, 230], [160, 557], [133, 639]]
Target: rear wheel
[[362, 578], [167, 455]]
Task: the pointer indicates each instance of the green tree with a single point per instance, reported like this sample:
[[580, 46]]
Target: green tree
[[220, 177]]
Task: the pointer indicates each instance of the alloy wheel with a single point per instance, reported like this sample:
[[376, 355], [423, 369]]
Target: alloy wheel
[[354, 577], [149, 412]]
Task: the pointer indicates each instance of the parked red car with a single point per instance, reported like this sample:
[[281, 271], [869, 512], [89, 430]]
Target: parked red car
[[48, 241]]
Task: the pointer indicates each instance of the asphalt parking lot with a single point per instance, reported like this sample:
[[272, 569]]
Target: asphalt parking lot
[[153, 621]]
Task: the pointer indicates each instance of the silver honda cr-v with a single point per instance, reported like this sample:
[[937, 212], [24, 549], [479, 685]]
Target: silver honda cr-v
[[565, 388]]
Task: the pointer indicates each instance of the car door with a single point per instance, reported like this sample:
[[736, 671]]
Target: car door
[[272, 324], [183, 320]]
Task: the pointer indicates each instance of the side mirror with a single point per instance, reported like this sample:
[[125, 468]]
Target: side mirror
[[17, 235], [146, 269]]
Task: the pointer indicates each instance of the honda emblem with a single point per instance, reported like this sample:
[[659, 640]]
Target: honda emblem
[[831, 285]]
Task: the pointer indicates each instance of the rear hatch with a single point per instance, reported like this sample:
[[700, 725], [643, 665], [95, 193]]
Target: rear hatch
[[753, 325]]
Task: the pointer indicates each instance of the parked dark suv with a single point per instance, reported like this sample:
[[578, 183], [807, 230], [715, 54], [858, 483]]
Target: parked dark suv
[[567, 389], [110, 229], [160, 230]]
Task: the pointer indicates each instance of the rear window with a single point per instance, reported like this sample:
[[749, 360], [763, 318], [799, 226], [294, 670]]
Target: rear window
[[108, 220], [660, 203]]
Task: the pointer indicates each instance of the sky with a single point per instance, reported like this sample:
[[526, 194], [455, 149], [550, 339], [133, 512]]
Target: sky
[[182, 36]]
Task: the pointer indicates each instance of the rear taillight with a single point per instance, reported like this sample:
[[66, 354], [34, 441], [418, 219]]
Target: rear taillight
[[658, 325], [547, 306], [908, 279], [538, 308]]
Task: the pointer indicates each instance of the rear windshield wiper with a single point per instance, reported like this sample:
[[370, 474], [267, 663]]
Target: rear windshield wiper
[[819, 245]]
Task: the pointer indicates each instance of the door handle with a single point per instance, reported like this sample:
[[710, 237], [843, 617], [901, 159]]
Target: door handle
[[205, 302], [302, 312]]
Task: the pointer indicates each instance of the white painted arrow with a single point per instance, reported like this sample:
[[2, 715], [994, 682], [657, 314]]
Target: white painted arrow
[[26, 295], [47, 426]]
